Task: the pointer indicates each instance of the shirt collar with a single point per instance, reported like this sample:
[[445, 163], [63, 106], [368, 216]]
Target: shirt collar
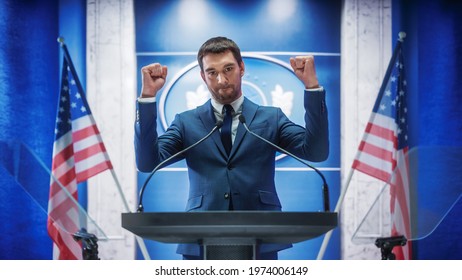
[[236, 104]]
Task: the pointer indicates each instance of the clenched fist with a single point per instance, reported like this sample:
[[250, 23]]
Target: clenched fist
[[153, 79], [304, 69]]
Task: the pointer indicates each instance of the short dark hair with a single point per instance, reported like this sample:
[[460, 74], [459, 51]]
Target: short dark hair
[[218, 45]]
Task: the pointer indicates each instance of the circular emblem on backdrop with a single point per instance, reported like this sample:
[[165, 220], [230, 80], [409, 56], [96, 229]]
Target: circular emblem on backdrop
[[267, 81]]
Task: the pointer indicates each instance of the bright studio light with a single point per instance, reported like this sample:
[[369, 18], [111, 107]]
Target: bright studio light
[[193, 13], [281, 10]]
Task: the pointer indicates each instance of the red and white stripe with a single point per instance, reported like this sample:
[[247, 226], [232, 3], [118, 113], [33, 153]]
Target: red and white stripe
[[377, 150], [89, 152], [62, 220], [378, 156], [78, 155], [399, 205]]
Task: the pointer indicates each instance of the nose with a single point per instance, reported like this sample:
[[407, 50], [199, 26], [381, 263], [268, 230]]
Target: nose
[[221, 78]]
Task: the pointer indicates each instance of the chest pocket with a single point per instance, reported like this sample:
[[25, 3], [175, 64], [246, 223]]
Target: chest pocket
[[259, 125]]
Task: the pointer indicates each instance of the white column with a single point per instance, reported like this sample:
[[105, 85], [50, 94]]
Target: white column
[[111, 90], [366, 48]]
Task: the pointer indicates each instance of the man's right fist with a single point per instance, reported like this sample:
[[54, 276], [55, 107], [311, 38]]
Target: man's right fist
[[153, 79]]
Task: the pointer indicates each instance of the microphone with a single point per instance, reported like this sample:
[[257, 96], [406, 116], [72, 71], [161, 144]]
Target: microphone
[[325, 188], [217, 126]]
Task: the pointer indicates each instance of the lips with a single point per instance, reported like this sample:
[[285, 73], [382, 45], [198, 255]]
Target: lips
[[226, 88]]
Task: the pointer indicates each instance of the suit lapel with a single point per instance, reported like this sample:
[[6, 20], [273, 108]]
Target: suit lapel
[[206, 115], [249, 109]]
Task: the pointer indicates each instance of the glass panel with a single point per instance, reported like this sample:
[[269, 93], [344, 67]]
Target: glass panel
[[434, 188], [33, 176]]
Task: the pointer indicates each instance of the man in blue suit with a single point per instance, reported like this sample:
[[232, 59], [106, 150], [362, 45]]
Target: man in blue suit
[[243, 177]]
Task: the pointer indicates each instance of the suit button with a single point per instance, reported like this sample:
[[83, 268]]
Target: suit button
[[226, 195], [229, 166]]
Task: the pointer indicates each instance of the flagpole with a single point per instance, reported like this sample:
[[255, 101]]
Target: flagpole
[[140, 241], [325, 241]]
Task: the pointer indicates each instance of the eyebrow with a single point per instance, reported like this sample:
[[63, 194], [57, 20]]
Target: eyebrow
[[226, 65]]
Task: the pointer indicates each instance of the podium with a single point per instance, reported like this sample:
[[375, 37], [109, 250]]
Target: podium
[[230, 234]]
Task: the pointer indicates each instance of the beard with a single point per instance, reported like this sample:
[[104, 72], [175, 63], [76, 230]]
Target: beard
[[226, 95]]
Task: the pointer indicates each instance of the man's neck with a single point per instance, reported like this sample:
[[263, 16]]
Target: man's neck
[[236, 104]]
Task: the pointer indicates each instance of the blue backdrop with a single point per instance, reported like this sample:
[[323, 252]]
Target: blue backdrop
[[171, 32]]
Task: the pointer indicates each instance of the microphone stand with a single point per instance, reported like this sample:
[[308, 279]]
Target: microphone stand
[[160, 165], [325, 187], [89, 244]]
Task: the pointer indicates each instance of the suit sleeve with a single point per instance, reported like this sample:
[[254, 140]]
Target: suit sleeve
[[146, 148], [150, 148], [316, 125], [311, 143]]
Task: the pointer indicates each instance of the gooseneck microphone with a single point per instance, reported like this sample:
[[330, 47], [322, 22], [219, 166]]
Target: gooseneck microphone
[[325, 188], [217, 126]]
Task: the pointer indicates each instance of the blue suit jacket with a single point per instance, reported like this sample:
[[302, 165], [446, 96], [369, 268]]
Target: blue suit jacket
[[247, 175]]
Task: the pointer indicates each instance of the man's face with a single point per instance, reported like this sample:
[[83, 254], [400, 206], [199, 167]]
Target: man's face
[[222, 75]]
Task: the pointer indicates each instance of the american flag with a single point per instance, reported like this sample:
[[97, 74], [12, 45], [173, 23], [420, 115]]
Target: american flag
[[78, 154], [383, 149]]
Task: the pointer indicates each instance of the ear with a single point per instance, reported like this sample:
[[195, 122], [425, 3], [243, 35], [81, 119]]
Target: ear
[[242, 68]]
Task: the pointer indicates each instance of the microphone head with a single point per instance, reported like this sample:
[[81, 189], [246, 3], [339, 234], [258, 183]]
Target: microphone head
[[219, 124], [241, 118]]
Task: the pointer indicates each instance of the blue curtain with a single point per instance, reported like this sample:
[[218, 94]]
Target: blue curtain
[[433, 49], [29, 87]]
